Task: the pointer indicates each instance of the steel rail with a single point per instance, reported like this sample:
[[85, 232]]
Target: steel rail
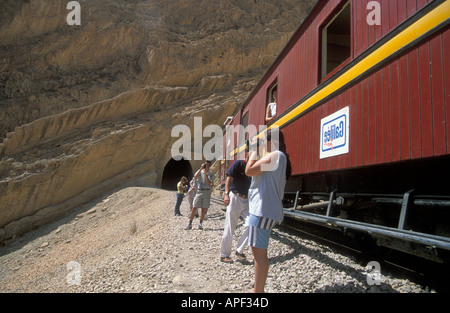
[[412, 236]]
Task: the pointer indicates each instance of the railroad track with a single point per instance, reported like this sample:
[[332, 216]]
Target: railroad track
[[363, 250]]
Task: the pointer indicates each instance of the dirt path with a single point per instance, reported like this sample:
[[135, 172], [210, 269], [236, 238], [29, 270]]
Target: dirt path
[[127, 241]]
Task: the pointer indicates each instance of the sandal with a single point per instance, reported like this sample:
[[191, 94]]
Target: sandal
[[226, 260], [241, 256]]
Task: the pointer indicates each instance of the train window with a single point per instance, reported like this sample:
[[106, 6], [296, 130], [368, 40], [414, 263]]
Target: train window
[[272, 99], [336, 41]]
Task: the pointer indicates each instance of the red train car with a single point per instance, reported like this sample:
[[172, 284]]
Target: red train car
[[362, 99]]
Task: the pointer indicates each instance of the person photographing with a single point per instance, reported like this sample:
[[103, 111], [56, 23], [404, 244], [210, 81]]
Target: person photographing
[[269, 175], [202, 197]]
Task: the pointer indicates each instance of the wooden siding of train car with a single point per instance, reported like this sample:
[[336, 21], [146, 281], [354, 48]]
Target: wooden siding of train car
[[397, 113]]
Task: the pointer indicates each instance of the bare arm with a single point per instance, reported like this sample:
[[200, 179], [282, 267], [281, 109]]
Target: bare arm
[[198, 172], [256, 167], [226, 197], [269, 116]]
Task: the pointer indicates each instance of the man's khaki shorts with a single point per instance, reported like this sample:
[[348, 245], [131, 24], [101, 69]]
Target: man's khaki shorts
[[202, 199]]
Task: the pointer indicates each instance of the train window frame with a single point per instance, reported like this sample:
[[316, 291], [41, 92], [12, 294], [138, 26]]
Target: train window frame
[[269, 98], [245, 121], [324, 72], [229, 123]]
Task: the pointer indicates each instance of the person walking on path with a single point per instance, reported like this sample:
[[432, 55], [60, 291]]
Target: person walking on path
[[203, 195], [266, 193], [236, 200]]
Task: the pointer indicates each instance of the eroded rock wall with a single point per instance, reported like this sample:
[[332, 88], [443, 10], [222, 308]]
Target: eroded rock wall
[[87, 108]]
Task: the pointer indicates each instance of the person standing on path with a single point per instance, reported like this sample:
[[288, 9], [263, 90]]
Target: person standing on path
[[191, 193], [180, 195], [203, 195], [236, 200], [269, 175]]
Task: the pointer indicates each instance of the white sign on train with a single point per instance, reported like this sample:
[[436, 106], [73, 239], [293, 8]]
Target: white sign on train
[[334, 134]]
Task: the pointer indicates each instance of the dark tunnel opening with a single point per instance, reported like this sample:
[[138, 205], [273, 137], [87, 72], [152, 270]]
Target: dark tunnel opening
[[173, 171]]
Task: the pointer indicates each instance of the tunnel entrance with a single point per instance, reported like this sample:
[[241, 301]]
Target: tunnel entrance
[[173, 171]]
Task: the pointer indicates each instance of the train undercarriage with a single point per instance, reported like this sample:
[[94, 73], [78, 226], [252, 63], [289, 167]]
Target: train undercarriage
[[404, 206]]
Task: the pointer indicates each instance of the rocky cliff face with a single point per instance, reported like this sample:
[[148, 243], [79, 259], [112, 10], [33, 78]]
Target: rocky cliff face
[[86, 108]]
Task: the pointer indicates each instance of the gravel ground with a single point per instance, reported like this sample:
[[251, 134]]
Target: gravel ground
[[129, 241]]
